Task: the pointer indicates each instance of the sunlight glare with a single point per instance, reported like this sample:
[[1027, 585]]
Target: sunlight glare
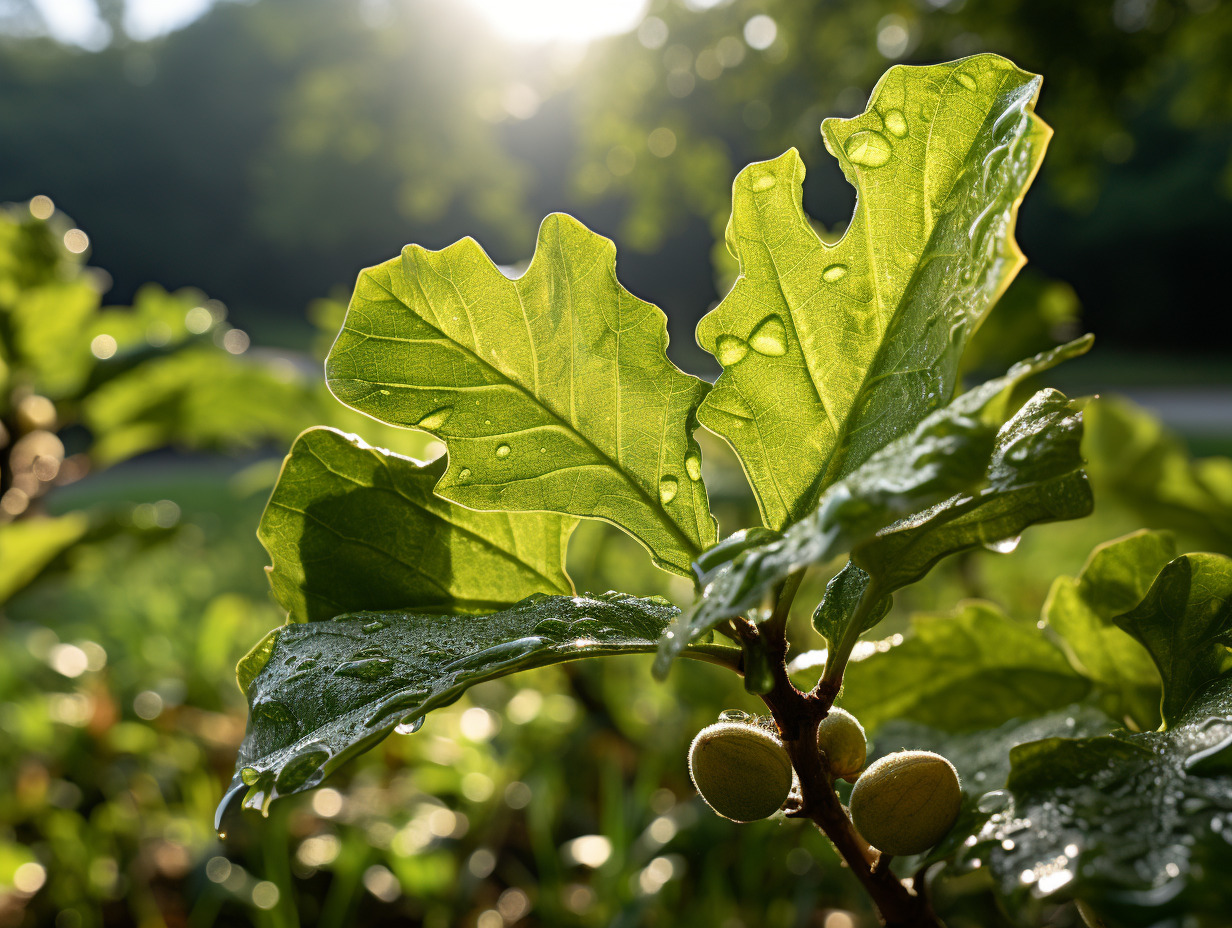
[[540, 21]]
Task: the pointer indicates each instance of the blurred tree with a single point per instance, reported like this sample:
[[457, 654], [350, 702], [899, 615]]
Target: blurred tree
[[271, 148]]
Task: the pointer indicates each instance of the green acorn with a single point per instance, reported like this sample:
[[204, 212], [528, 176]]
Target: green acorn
[[840, 736], [741, 770], [906, 802]]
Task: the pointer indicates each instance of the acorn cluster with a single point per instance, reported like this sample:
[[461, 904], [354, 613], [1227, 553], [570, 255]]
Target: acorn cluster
[[902, 804]]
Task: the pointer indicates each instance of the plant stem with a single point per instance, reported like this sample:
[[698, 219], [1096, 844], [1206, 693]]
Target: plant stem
[[798, 715], [836, 660]]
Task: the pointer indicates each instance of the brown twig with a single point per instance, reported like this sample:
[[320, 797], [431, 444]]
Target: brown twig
[[798, 714]]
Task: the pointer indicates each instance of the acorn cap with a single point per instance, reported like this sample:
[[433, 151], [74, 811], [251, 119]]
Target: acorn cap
[[906, 802], [840, 736], [742, 771]]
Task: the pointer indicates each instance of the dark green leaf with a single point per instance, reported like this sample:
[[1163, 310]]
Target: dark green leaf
[[969, 670], [322, 692], [553, 392], [350, 527], [832, 616], [1125, 822], [832, 351], [1035, 476], [1185, 622], [1031, 471], [945, 452]]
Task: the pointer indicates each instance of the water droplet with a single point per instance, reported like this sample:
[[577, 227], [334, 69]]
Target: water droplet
[[552, 628], [505, 652], [464, 474], [409, 725], [435, 419], [995, 801], [1004, 545], [374, 626], [693, 465], [502, 451], [300, 769], [667, 489], [543, 450], [763, 182], [834, 272], [729, 349], [869, 148], [384, 392], [404, 702], [275, 711], [368, 668], [896, 122], [965, 78], [770, 337], [735, 715]]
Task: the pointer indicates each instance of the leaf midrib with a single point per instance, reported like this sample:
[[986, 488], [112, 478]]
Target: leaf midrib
[[689, 547], [830, 474]]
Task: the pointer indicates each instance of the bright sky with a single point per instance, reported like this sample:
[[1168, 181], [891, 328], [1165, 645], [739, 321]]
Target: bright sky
[[531, 21], [77, 22], [560, 20]]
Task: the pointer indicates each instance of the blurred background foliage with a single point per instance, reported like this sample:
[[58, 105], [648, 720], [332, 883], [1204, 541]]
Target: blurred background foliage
[[269, 149]]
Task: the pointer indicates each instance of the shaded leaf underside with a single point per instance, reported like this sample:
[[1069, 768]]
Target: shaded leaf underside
[[350, 527]]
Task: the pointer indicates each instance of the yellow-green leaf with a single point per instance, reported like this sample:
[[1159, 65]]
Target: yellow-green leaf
[[831, 351], [553, 392]]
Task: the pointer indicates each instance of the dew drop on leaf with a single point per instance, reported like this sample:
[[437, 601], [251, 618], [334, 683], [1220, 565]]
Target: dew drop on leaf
[[995, 801], [834, 272], [301, 768], [409, 725], [667, 489], [275, 711], [770, 337], [729, 349], [1004, 545], [869, 148], [763, 182], [896, 123], [368, 668], [435, 419], [693, 464], [502, 451], [464, 474], [965, 79]]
